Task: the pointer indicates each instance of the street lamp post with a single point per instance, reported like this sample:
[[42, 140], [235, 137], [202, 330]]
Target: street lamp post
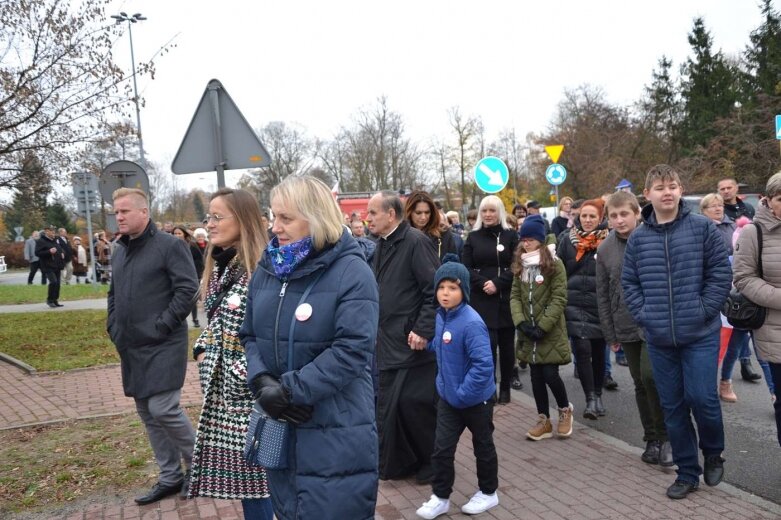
[[123, 17]]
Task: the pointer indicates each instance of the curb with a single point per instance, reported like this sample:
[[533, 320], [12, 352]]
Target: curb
[[18, 364]]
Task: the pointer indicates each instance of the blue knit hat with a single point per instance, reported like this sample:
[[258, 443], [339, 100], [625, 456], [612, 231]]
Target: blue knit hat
[[453, 270], [533, 227]]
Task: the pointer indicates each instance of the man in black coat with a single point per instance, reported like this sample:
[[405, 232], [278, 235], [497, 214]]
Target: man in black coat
[[404, 263], [153, 287], [52, 260]]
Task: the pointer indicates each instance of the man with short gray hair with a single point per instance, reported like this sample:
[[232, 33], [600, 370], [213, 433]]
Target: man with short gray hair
[[153, 287], [404, 264]]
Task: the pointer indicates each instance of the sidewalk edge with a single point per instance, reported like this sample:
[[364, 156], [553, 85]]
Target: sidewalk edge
[[18, 364]]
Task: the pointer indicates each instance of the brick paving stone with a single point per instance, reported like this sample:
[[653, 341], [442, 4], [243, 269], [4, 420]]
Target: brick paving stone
[[586, 477]]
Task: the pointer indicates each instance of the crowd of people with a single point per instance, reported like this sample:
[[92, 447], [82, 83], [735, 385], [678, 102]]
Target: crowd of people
[[396, 333]]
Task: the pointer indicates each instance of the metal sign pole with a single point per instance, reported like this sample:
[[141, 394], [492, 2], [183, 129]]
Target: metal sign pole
[[220, 166], [89, 240]]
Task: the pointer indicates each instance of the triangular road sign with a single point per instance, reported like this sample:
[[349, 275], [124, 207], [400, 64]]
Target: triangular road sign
[[554, 151], [218, 138]]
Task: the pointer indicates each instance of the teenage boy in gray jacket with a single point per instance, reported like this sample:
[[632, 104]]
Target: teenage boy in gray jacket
[[620, 329]]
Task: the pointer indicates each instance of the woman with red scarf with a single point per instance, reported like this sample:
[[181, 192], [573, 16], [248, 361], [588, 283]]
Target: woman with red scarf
[[578, 252]]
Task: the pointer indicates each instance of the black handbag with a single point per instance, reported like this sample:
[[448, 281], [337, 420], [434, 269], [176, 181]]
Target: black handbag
[[741, 312]]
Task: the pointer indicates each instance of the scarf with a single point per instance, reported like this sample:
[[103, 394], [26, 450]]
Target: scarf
[[287, 258], [531, 264], [225, 273], [568, 216], [585, 241]]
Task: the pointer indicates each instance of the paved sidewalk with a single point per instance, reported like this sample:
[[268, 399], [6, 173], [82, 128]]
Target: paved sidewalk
[[588, 476], [70, 305]]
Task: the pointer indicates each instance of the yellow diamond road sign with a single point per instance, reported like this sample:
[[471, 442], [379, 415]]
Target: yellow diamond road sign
[[554, 151]]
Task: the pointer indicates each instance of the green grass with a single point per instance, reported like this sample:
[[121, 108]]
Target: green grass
[[36, 293], [45, 467], [60, 340]]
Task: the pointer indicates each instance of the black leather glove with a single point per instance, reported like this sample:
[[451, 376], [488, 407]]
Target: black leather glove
[[537, 333], [526, 328], [274, 399]]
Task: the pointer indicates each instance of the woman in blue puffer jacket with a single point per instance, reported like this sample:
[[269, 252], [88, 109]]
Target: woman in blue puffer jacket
[[326, 394]]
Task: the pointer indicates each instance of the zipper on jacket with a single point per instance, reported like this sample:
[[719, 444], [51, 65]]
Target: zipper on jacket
[[669, 286], [276, 326], [498, 263], [534, 323]]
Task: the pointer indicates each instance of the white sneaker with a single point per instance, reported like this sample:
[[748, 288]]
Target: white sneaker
[[433, 508], [480, 503]]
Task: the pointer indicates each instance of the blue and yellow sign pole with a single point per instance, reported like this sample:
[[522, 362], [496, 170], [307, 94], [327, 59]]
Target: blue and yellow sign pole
[[555, 174]]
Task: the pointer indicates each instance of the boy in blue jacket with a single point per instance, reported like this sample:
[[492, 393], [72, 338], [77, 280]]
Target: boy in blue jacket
[[465, 383], [676, 277]]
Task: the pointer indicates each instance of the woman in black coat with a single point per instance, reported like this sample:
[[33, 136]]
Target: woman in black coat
[[422, 214], [562, 221], [183, 233], [578, 251], [488, 254]]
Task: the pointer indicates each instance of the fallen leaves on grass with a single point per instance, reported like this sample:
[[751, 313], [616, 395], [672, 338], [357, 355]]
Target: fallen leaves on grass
[[47, 466]]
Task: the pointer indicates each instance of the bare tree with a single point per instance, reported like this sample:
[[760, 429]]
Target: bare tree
[[291, 152], [466, 130], [59, 81], [374, 153]]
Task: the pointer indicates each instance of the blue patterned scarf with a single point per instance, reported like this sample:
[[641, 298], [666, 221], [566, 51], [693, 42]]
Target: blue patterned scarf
[[286, 258]]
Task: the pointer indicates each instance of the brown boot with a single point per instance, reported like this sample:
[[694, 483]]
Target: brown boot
[[564, 428], [542, 430], [726, 393]]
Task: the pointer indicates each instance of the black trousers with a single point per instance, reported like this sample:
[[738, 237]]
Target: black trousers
[[54, 285], [34, 266], [544, 377], [450, 425], [590, 356], [504, 339]]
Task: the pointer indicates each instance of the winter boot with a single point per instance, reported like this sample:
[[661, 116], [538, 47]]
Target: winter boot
[[542, 430], [747, 371], [564, 428], [591, 411], [726, 393], [598, 406]]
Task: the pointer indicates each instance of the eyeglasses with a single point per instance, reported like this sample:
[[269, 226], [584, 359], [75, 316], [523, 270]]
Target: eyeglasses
[[715, 206], [216, 218]]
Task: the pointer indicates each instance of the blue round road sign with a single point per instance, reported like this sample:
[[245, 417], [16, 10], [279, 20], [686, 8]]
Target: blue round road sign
[[556, 174], [491, 174]]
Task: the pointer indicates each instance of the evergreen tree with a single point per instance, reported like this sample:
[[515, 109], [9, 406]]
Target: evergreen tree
[[57, 215], [763, 55], [28, 206], [709, 89], [661, 107]]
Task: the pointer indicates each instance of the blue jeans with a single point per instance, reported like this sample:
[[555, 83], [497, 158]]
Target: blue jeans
[[736, 348], [686, 382], [257, 509]]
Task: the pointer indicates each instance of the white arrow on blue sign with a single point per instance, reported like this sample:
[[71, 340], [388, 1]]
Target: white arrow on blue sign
[[555, 174], [778, 126], [491, 174]]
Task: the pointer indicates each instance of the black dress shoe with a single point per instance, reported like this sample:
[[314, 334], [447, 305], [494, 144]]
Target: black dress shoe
[[680, 489], [58, 304], [651, 453], [51, 304], [666, 455], [714, 469], [504, 396], [159, 492], [747, 371]]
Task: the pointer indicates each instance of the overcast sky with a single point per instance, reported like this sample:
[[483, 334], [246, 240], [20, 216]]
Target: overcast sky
[[317, 62]]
